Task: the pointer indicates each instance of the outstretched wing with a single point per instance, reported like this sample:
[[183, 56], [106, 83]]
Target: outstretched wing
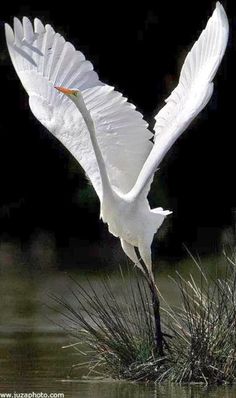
[[190, 96], [42, 60]]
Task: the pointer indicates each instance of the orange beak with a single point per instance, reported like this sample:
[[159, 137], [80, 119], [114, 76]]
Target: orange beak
[[66, 90]]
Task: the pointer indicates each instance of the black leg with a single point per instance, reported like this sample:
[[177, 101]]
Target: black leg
[[159, 338], [159, 341]]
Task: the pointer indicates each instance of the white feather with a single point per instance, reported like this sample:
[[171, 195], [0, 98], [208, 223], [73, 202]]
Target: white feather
[[122, 133], [190, 96]]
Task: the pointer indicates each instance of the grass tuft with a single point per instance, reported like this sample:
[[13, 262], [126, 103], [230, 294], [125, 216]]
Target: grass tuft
[[119, 335], [203, 348]]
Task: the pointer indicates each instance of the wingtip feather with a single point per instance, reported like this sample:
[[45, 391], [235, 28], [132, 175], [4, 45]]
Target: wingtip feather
[[18, 28], [9, 34], [16, 21], [26, 19], [223, 17], [38, 26]]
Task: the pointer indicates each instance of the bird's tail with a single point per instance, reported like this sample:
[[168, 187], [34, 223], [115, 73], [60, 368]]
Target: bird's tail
[[159, 217], [155, 221]]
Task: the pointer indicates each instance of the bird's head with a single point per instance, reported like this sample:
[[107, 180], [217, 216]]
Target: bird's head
[[72, 94]]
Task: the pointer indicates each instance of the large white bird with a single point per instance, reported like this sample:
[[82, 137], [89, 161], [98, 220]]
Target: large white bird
[[103, 131]]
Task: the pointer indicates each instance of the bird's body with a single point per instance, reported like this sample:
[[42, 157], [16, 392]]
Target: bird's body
[[128, 217], [134, 223], [104, 132]]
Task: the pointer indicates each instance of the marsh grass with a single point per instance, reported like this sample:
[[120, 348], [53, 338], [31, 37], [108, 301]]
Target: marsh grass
[[203, 348], [119, 335]]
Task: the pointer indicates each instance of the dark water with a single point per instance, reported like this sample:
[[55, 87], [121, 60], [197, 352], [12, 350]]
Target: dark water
[[32, 359]]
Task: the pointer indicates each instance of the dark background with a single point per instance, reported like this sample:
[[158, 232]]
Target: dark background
[[139, 49]]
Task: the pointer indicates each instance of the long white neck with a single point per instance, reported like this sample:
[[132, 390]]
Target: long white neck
[[106, 186]]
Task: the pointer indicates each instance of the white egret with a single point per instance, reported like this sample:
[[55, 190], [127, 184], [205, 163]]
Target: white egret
[[103, 131]]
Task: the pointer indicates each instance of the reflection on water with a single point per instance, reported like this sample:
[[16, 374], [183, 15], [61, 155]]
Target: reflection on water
[[31, 354]]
